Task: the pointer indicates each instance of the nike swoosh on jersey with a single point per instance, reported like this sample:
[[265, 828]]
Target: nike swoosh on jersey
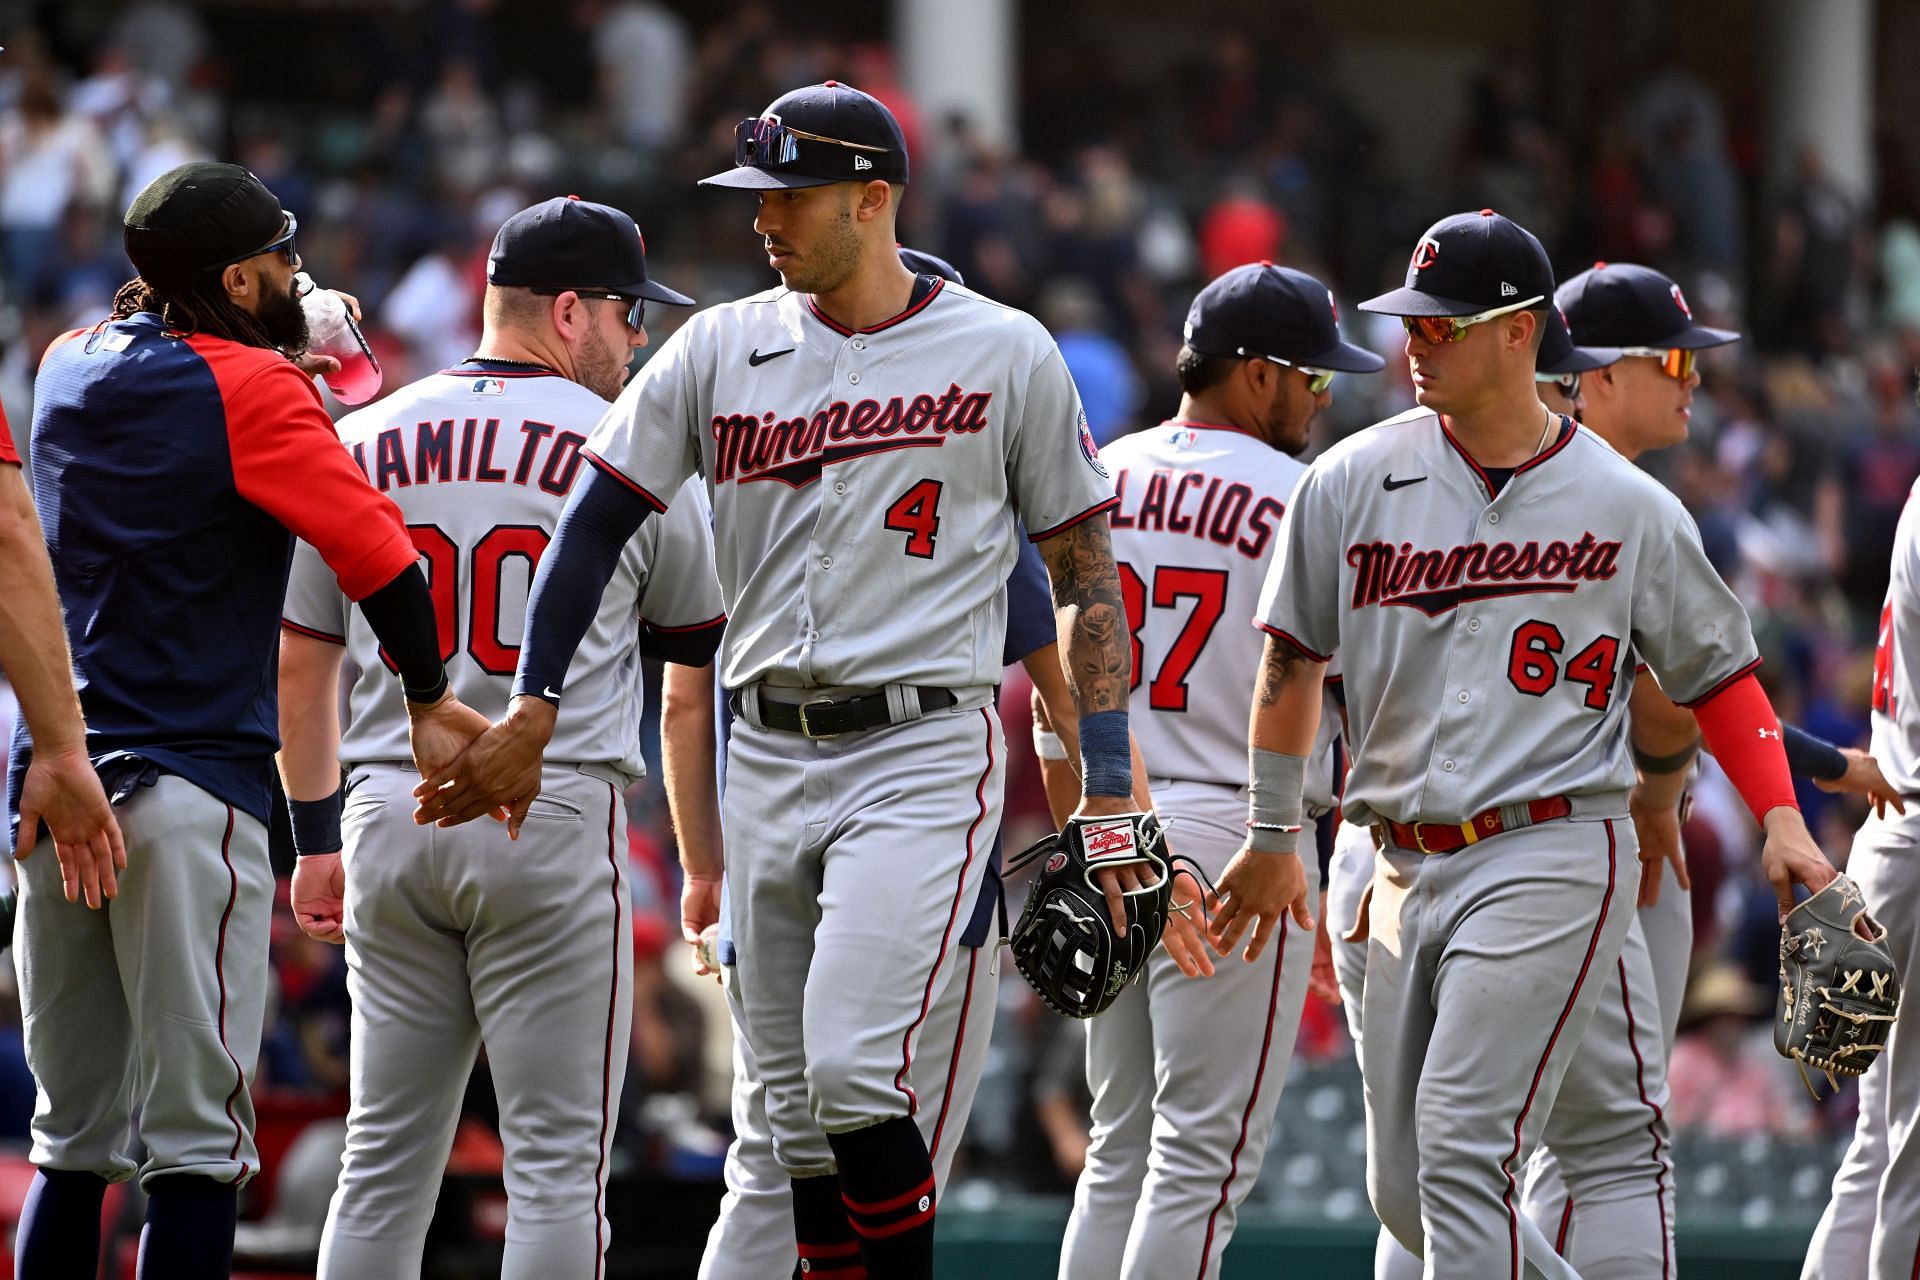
[[756, 359], [1390, 484]]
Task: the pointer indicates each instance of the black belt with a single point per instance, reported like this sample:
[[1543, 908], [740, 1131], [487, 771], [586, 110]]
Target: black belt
[[831, 717]]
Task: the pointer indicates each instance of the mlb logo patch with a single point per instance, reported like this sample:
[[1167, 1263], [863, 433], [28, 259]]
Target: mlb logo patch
[[488, 387], [1109, 841], [1185, 438]]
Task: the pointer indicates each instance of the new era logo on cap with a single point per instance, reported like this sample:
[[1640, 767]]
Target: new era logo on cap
[[1508, 291], [861, 162]]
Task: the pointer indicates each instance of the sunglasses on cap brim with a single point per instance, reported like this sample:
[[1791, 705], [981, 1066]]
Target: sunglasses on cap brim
[[281, 244], [1444, 329], [1676, 362], [636, 307], [1318, 380], [764, 142]]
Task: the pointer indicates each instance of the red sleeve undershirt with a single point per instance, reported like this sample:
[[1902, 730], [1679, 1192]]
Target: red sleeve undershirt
[[7, 452], [1743, 733], [287, 460]]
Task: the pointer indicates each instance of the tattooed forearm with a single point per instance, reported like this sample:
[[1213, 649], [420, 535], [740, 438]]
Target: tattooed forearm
[[1091, 615], [1280, 662]]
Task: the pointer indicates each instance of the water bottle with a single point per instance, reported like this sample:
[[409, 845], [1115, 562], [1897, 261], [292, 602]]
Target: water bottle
[[332, 332]]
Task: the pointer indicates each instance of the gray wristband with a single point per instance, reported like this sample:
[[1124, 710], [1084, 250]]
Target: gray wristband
[[1274, 788]]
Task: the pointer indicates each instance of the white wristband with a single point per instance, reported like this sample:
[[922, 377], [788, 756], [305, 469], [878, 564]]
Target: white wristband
[[1047, 744]]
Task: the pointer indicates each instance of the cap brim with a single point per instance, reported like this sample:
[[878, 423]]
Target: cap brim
[[746, 177], [1344, 357], [1582, 360], [1412, 302], [1699, 337], [654, 291]]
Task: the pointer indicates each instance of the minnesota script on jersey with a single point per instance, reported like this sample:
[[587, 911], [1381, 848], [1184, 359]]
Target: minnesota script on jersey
[[1200, 508], [482, 464], [864, 485], [1487, 644]]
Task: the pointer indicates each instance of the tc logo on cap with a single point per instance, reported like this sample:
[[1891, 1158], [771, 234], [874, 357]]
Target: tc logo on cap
[[1425, 252], [1333, 307], [1680, 299]]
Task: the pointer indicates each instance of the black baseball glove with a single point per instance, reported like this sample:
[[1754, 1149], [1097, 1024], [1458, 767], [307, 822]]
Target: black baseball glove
[[1839, 989], [1064, 943]]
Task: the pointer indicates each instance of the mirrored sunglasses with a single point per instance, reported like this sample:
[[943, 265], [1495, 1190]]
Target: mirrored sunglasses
[[1676, 362], [764, 142], [1444, 329], [1318, 380]]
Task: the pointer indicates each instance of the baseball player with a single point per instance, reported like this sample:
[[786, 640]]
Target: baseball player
[[1484, 689], [1185, 1077], [868, 437], [457, 937], [60, 787], [1871, 1225], [177, 452]]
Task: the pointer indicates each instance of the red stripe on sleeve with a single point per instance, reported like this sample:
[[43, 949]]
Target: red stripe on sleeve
[[289, 462], [7, 452]]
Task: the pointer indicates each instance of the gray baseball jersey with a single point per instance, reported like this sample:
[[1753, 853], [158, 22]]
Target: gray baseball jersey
[[865, 484], [460, 936], [481, 461], [1485, 639], [1199, 515]]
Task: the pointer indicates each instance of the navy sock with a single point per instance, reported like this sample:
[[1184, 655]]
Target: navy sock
[[189, 1233], [60, 1227], [827, 1245], [886, 1182]]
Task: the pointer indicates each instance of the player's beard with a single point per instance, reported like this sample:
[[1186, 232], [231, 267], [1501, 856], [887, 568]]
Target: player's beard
[[283, 319], [831, 261], [1283, 431], [602, 367]]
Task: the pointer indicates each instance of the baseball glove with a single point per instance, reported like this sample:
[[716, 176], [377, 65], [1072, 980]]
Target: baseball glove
[[1064, 943], [1839, 989]]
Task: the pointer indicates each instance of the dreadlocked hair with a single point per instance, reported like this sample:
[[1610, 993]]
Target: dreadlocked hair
[[200, 307]]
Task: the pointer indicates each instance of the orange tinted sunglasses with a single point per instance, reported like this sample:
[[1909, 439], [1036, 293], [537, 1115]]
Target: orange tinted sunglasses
[[1676, 362]]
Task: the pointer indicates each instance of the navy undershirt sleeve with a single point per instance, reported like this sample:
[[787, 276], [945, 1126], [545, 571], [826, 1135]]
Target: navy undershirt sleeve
[[401, 616], [600, 516], [1809, 756]]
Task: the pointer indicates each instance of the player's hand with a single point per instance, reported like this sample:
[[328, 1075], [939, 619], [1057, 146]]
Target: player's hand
[[1255, 891], [315, 365], [319, 897], [1186, 934], [1790, 856], [62, 790], [1863, 778], [1657, 824], [1323, 980], [499, 774], [700, 923]]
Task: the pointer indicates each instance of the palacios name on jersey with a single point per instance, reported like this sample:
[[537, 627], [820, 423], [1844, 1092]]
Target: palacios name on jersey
[[1221, 511], [473, 449], [766, 446], [1436, 581]]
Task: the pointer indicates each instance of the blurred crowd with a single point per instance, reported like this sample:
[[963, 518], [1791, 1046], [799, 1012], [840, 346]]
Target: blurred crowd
[[415, 130]]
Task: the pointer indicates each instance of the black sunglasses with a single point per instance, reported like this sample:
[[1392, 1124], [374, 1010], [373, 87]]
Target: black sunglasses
[[636, 307], [764, 142], [282, 245]]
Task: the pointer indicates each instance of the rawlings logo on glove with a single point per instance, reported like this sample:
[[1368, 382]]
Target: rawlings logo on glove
[[1839, 989]]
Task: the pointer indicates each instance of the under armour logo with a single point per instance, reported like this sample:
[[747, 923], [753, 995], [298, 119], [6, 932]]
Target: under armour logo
[[1769, 733], [861, 162]]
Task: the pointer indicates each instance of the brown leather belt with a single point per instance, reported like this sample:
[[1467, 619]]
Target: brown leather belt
[[1450, 837]]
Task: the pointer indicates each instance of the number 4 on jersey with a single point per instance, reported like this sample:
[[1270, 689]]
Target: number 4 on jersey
[[1533, 663], [916, 513]]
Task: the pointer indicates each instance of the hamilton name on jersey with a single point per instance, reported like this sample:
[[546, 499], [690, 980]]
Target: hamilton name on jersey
[[768, 446], [1224, 512], [478, 449], [1436, 580]]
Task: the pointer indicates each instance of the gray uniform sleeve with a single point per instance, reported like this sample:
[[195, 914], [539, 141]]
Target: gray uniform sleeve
[[1053, 468], [1300, 600], [315, 605], [1687, 624], [680, 588], [648, 439]]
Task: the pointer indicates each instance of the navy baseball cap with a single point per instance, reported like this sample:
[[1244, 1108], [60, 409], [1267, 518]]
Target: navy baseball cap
[[570, 243], [926, 264], [1558, 355], [812, 137], [1263, 310], [1621, 304], [197, 218], [1467, 264]]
